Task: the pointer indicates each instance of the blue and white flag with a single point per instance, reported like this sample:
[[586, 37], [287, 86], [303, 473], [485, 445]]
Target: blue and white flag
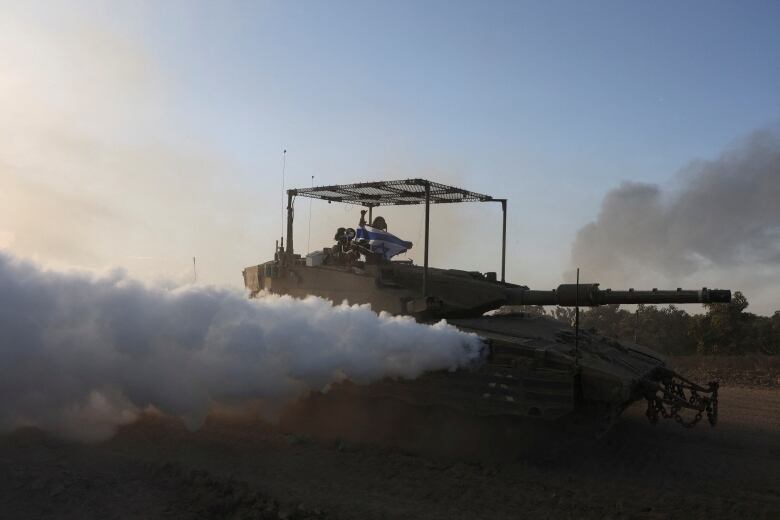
[[382, 242]]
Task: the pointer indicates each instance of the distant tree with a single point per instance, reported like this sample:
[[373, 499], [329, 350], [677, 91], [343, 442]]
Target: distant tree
[[564, 314], [775, 324], [532, 310], [609, 320], [760, 335], [722, 330], [664, 329]]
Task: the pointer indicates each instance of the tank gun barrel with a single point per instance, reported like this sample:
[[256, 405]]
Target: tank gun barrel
[[591, 296]]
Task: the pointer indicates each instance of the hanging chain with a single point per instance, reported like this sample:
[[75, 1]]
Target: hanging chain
[[673, 394]]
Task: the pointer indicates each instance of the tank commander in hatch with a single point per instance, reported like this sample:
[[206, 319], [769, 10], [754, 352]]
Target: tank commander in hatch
[[344, 252]]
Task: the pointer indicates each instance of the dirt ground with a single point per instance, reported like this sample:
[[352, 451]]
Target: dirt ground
[[235, 468], [750, 370]]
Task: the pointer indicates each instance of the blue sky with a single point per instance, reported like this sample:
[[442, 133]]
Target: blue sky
[[597, 88], [536, 97], [550, 104]]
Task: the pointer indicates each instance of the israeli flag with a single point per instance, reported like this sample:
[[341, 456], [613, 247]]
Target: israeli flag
[[382, 242]]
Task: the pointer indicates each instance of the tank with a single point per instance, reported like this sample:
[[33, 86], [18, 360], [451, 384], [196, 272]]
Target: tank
[[536, 367]]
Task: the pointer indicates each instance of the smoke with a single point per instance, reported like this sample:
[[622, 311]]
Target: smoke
[[720, 225], [82, 354]]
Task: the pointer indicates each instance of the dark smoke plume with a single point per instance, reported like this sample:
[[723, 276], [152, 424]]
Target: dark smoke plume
[[80, 355], [722, 222]]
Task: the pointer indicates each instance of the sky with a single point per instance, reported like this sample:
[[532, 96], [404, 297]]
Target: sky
[[141, 134]]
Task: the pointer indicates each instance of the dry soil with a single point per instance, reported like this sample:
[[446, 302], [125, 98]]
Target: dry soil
[[236, 468]]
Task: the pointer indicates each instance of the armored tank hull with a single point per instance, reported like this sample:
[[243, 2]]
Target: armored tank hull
[[537, 367]]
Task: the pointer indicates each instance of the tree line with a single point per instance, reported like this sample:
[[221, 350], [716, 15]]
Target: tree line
[[724, 329]]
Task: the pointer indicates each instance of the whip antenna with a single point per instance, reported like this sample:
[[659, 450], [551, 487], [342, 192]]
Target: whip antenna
[[284, 165], [577, 320]]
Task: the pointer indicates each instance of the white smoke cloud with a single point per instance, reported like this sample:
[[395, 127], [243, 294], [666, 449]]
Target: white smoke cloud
[[720, 227], [81, 354]]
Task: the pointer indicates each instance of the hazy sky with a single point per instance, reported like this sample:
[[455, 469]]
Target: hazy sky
[[141, 134]]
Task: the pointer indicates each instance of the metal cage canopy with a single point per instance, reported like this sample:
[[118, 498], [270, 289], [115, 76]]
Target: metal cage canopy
[[395, 193], [408, 191]]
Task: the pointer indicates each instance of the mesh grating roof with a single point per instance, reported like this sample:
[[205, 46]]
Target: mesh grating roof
[[386, 193]]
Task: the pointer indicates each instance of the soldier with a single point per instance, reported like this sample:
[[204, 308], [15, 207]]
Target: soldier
[[343, 252], [378, 223]]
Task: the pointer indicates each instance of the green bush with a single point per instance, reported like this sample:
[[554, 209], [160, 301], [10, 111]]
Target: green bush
[[721, 330]]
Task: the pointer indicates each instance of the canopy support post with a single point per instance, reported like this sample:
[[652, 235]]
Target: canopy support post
[[290, 221], [370, 215], [427, 227], [503, 241]]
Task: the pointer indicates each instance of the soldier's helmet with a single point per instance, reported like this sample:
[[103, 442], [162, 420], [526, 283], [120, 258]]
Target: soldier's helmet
[[379, 223]]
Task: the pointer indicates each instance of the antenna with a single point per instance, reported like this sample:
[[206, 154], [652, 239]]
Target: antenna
[[194, 270], [577, 320], [284, 165], [308, 240], [636, 325]]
